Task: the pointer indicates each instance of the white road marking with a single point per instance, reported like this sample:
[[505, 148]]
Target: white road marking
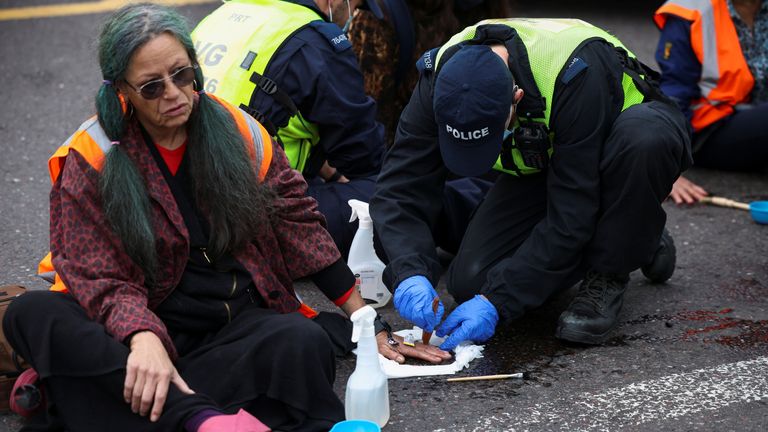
[[665, 398]]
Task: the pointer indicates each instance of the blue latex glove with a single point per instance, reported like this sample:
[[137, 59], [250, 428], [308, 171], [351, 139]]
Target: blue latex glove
[[413, 300], [473, 320]]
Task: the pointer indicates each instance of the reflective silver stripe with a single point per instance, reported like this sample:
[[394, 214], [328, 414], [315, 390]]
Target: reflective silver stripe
[[711, 102], [48, 276], [692, 4], [258, 145], [93, 128], [81, 128], [69, 140], [710, 72]]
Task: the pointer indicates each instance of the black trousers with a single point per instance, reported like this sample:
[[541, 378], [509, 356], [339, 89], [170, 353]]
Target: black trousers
[[738, 143], [461, 197], [279, 367], [644, 153]]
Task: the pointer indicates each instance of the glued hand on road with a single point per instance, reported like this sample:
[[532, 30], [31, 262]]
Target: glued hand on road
[[402, 351]]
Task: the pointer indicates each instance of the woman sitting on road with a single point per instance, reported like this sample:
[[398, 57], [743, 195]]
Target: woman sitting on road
[[177, 228]]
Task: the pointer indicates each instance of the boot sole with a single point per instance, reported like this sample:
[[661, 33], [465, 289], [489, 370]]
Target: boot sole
[[581, 337]]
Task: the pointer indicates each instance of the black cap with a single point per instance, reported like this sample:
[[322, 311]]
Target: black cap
[[473, 99]]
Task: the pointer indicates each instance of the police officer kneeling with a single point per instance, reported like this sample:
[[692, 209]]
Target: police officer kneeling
[[588, 150]]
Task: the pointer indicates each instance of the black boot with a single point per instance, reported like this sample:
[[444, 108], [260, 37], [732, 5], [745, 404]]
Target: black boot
[[662, 266], [593, 313]]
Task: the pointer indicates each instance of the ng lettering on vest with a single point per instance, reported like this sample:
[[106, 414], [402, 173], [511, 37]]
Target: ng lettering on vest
[[466, 136], [210, 53], [225, 40]]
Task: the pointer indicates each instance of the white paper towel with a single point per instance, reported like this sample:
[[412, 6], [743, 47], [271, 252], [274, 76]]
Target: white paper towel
[[465, 353]]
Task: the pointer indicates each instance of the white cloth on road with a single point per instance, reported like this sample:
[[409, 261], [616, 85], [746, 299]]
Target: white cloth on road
[[465, 353]]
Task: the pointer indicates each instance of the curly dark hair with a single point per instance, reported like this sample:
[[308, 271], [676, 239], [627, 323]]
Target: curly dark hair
[[375, 44]]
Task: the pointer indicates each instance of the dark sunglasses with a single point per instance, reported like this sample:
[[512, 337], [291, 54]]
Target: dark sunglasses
[[155, 88]]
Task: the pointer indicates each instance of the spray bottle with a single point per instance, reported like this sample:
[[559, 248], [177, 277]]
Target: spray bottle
[[367, 396], [363, 261]]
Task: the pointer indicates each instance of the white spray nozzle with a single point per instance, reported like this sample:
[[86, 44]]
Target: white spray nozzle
[[360, 211], [361, 320]]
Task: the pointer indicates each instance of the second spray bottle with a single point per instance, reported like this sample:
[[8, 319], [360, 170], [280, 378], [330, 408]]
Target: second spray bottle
[[363, 261]]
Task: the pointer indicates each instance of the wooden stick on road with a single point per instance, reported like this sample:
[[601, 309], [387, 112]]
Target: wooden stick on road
[[724, 202], [487, 377]]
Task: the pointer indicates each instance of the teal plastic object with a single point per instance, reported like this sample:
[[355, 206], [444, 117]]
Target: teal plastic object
[[759, 211], [356, 426]]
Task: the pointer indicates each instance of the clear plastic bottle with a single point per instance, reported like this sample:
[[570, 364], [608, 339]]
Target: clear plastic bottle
[[367, 394], [363, 261]]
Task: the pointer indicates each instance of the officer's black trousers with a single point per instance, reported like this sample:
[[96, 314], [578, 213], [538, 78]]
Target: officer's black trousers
[[637, 169], [279, 367]]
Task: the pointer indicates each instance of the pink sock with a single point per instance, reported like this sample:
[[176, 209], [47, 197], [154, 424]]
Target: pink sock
[[240, 422]]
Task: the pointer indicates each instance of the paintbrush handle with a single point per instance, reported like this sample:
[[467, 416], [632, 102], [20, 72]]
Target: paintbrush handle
[[724, 202], [486, 377], [426, 336]]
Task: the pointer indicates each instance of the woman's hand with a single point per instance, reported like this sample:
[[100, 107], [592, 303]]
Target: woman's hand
[[148, 372], [400, 351], [685, 191]]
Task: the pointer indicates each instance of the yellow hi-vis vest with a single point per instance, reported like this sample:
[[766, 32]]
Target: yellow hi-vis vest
[[549, 44], [91, 142], [240, 38]]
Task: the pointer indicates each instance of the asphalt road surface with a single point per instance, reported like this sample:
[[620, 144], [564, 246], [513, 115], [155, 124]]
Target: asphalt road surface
[[691, 354]]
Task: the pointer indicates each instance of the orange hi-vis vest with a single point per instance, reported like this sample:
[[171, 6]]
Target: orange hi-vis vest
[[92, 143], [725, 77]]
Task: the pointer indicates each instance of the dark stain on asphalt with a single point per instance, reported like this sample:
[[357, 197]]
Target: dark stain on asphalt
[[745, 289], [727, 330], [707, 326]]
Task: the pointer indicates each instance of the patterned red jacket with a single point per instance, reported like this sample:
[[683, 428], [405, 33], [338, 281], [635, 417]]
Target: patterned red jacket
[[90, 259]]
